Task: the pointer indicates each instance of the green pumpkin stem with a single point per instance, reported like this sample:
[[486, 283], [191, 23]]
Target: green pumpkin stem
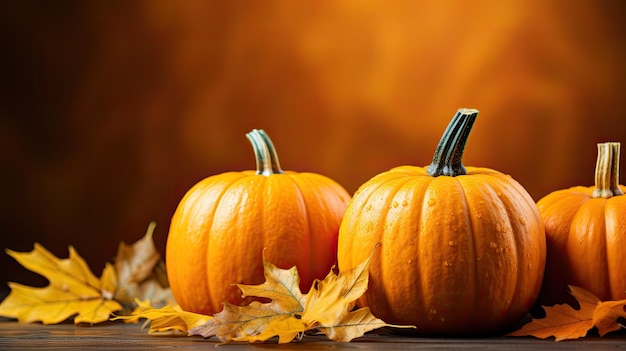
[[264, 152], [607, 171], [448, 159]]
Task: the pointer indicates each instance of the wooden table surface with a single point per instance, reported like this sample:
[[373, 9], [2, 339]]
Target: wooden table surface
[[120, 336]]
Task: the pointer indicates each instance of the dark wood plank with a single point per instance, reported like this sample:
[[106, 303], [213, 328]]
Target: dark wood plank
[[120, 336]]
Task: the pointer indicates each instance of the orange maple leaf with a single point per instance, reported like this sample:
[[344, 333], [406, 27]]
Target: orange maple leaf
[[564, 322]]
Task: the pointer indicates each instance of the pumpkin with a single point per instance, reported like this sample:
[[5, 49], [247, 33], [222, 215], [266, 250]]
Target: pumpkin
[[222, 225], [586, 233], [462, 248]]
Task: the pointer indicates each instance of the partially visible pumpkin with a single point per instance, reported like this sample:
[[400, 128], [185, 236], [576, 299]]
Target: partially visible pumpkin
[[223, 223], [586, 234], [463, 249]]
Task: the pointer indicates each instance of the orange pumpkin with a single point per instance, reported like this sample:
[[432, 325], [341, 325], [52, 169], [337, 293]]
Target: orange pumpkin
[[463, 249], [586, 234], [223, 223]]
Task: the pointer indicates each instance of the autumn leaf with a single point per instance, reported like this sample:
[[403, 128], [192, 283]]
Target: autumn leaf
[[281, 286], [169, 318], [606, 316], [141, 273], [257, 321], [73, 290], [564, 322], [332, 298], [353, 324], [290, 314]]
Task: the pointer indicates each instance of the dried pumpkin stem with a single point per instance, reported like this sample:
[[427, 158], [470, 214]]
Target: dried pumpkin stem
[[264, 152], [448, 159], [607, 171]]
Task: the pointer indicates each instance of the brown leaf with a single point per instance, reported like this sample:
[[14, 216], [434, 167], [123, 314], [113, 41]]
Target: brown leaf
[[141, 272]]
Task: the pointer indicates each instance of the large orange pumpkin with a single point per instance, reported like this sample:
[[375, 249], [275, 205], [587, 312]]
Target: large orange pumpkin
[[463, 249], [223, 223], [586, 234]]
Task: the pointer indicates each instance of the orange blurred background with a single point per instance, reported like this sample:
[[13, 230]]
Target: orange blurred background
[[111, 110]]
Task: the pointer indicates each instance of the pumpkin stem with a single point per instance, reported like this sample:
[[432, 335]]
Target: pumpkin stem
[[607, 171], [264, 152], [449, 153]]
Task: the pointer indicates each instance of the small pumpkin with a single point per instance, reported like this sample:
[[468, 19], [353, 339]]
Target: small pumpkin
[[463, 249], [586, 234], [223, 223]]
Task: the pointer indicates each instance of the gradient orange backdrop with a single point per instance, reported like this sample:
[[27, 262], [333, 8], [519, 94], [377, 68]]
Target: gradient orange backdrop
[[111, 110]]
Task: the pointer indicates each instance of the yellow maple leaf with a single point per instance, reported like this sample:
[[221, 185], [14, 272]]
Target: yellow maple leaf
[[286, 327], [73, 290], [169, 318], [290, 314], [564, 322], [332, 298], [353, 324], [281, 286]]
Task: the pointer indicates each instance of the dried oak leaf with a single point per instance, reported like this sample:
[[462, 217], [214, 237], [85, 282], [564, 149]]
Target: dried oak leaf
[[290, 314], [141, 273], [564, 322], [73, 290]]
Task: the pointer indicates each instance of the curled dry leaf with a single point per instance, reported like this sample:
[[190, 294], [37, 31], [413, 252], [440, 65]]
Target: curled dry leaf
[[73, 290], [141, 272], [169, 318]]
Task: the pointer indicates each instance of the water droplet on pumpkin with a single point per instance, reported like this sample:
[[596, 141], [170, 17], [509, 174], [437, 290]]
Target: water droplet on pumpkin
[[405, 203], [493, 245], [498, 228], [446, 264], [395, 204], [369, 207], [522, 220], [431, 202], [451, 243], [411, 242], [409, 261]]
